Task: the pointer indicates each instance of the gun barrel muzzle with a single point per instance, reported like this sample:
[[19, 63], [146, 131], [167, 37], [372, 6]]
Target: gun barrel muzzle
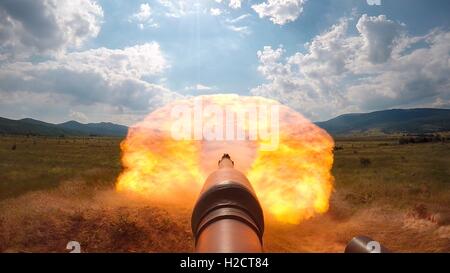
[[227, 217]]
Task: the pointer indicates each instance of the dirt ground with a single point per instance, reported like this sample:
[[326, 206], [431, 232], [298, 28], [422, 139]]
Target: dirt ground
[[105, 221]]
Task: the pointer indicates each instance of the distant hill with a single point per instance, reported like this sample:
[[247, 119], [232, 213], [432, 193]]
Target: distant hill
[[415, 121], [102, 128], [70, 128]]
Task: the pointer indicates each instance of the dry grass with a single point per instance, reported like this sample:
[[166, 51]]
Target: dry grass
[[59, 190], [101, 220], [395, 228], [43, 162]]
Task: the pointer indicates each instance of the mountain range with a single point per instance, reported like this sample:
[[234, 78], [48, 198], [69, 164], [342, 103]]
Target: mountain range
[[412, 121], [28, 126]]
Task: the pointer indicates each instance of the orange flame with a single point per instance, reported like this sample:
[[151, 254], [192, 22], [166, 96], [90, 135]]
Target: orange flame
[[293, 182]]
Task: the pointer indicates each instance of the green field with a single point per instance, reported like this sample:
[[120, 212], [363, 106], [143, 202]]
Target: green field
[[43, 162], [57, 189], [396, 174]]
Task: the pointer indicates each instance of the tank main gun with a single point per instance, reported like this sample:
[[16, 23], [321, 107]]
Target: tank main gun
[[227, 217]]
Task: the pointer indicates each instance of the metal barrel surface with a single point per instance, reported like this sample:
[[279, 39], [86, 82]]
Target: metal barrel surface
[[364, 244], [227, 217]]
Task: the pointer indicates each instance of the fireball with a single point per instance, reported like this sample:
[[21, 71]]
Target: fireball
[[167, 156]]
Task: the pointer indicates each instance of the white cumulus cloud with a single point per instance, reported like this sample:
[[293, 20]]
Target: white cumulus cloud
[[199, 86], [78, 116], [380, 67], [125, 78], [280, 12], [215, 11], [379, 34], [235, 4], [144, 17], [47, 26]]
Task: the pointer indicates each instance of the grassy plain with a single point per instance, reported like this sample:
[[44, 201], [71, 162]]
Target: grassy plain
[[53, 190]]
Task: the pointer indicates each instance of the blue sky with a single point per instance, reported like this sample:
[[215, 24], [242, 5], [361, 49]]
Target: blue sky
[[84, 59], [206, 52]]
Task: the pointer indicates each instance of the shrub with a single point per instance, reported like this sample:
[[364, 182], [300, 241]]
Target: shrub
[[365, 162], [337, 148]]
